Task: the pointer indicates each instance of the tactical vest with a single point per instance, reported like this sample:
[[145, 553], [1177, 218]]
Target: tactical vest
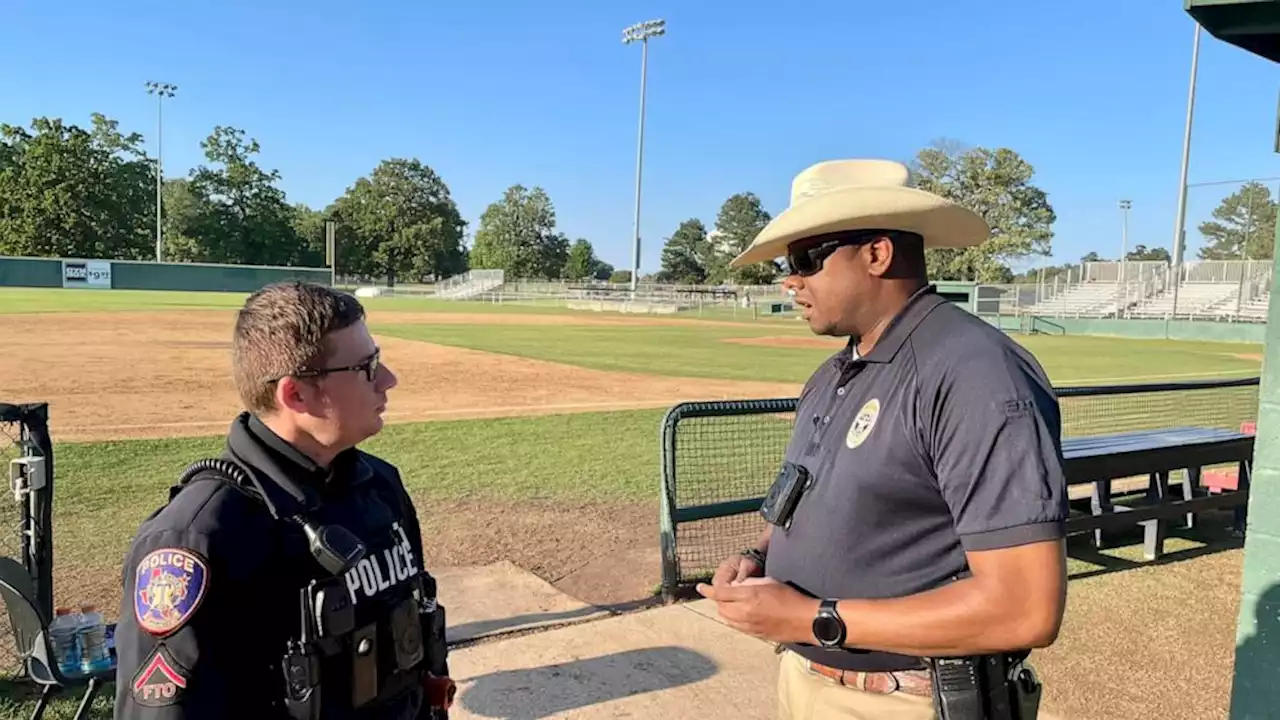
[[359, 643]]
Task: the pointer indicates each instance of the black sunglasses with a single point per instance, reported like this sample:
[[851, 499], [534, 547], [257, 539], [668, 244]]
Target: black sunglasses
[[805, 258], [369, 367]]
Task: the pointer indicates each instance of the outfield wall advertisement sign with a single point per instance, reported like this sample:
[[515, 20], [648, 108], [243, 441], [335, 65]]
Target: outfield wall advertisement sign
[[86, 273]]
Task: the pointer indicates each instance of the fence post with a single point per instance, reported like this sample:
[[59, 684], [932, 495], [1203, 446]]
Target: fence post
[[667, 495]]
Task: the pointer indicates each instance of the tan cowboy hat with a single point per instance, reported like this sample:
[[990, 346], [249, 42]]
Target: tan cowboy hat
[[838, 195]]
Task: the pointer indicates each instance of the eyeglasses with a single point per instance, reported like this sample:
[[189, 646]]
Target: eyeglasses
[[369, 367], [806, 257]]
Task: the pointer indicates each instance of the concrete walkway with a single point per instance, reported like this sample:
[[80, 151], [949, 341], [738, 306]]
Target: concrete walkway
[[668, 662], [657, 663]]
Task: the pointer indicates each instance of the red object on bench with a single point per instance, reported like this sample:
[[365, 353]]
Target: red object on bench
[[1228, 479], [1219, 480]]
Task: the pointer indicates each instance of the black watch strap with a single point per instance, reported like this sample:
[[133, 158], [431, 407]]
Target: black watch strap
[[828, 626]]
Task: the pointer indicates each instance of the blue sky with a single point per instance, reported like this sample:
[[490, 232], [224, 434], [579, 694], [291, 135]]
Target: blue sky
[[741, 96]]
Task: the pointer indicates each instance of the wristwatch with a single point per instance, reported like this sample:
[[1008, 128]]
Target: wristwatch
[[828, 627], [757, 555]]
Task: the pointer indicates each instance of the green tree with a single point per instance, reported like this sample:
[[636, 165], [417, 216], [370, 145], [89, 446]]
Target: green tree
[[187, 219], [308, 226], [686, 254], [1243, 227], [740, 220], [582, 262], [400, 222], [996, 184], [70, 192], [518, 234], [245, 217], [1140, 252]]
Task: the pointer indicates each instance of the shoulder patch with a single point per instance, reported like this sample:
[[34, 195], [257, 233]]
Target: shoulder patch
[[159, 681], [169, 585]]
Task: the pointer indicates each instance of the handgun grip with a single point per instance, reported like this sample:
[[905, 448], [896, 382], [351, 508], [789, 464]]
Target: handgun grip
[[440, 691]]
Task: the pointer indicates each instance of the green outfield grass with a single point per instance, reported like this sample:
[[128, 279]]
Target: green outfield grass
[[702, 350], [46, 300]]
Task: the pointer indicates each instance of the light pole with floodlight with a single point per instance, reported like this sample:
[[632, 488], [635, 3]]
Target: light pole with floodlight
[[640, 32], [161, 91]]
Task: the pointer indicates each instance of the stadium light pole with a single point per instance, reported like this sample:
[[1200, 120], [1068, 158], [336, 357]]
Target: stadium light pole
[[1125, 205], [640, 32], [1123, 285], [161, 91], [1179, 230]]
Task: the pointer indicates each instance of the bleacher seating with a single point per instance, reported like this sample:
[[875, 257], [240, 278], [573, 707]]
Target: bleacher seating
[[1194, 299], [1255, 310], [470, 284], [1091, 299]]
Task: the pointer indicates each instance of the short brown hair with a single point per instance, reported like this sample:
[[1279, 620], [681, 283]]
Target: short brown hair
[[282, 329]]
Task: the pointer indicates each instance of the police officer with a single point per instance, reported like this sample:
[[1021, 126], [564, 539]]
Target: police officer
[[913, 549], [286, 578]]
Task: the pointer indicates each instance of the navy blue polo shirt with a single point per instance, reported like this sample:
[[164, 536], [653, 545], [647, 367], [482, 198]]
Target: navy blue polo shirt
[[944, 439]]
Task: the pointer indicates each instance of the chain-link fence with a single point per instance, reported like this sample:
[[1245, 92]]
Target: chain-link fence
[[26, 454], [720, 458]]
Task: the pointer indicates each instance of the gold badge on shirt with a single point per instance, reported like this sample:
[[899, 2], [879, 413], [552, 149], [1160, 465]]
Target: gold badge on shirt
[[862, 423]]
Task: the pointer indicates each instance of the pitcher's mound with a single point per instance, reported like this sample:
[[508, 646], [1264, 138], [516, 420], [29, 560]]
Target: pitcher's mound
[[486, 600], [824, 343]]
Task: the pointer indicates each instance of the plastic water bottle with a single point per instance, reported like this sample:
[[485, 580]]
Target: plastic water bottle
[[94, 655], [66, 641]]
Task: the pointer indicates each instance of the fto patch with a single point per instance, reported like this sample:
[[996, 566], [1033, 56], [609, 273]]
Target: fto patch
[[159, 681], [170, 583], [862, 424]]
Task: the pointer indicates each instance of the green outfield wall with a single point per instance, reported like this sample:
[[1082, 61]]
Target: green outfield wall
[[140, 275]]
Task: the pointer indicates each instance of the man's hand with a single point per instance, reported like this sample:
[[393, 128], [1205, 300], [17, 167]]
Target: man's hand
[[765, 608], [735, 568]]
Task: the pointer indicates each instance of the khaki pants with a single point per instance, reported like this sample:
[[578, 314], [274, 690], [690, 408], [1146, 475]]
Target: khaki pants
[[803, 695]]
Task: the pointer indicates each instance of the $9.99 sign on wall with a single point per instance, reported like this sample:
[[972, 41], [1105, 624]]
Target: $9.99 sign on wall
[[86, 273]]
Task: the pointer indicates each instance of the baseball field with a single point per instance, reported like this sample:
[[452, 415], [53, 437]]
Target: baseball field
[[531, 434]]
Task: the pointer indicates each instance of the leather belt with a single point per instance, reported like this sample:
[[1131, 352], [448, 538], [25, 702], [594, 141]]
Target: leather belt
[[911, 682]]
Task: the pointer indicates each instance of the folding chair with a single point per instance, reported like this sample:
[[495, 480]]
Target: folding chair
[[31, 631]]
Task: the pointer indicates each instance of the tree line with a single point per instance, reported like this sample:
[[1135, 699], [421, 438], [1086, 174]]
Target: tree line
[[996, 183], [72, 191]]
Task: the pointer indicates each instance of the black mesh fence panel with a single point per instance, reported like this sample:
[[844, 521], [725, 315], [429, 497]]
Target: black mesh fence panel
[[719, 453], [724, 458], [1226, 405], [23, 534]]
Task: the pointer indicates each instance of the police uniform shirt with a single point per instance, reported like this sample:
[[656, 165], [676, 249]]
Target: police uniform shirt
[[212, 581], [943, 439]]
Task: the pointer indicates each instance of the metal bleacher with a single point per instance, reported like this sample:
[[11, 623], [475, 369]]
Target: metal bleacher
[[1221, 290]]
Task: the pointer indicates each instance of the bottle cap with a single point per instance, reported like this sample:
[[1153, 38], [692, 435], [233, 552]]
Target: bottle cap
[[88, 608], [62, 611]]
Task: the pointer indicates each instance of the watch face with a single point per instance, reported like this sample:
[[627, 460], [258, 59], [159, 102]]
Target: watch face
[[826, 629]]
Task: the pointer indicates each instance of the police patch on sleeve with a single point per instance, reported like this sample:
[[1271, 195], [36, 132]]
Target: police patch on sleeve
[[159, 681], [169, 585]]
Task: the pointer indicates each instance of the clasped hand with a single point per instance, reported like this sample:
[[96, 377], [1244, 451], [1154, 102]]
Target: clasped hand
[[763, 607]]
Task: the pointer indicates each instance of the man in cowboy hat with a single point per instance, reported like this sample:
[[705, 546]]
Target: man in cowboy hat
[[918, 515]]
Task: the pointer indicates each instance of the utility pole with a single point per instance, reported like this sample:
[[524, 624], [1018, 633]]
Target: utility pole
[[1179, 231], [161, 91], [640, 32]]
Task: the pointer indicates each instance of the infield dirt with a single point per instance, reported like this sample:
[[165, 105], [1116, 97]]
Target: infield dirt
[[163, 374]]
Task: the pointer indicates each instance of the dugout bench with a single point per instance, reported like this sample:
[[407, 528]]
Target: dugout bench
[[1101, 460]]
